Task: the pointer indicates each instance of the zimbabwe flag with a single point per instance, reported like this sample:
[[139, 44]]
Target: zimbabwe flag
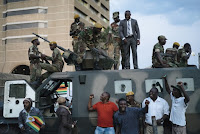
[[36, 124], [62, 88]]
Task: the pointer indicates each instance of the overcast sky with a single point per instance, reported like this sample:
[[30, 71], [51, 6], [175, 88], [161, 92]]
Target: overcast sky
[[178, 20]]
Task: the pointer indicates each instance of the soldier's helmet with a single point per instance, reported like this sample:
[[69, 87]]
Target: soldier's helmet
[[76, 16], [176, 44], [52, 43], [98, 25], [35, 38]]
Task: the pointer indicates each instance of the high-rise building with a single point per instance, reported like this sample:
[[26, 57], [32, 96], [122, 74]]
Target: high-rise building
[[49, 18]]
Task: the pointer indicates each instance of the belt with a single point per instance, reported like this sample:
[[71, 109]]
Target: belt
[[151, 125], [129, 36], [174, 125]]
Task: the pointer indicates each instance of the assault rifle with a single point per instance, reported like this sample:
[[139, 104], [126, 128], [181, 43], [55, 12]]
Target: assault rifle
[[69, 56]]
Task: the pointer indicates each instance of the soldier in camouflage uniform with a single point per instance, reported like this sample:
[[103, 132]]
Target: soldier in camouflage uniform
[[76, 27], [183, 55], [116, 40], [91, 37], [57, 62], [131, 102], [34, 58], [171, 55], [158, 53]]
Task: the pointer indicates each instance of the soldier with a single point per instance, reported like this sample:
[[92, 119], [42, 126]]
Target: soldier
[[117, 42], [76, 27], [91, 37], [183, 55], [158, 53], [131, 101], [34, 58], [171, 55], [57, 62]]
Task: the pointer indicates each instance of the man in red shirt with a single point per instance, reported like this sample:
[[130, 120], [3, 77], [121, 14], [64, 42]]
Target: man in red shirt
[[105, 110]]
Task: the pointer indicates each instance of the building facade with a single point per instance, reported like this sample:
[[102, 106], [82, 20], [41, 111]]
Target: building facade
[[51, 19]]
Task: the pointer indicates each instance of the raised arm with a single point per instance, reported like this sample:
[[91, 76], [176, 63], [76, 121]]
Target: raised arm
[[187, 98], [90, 108], [166, 84]]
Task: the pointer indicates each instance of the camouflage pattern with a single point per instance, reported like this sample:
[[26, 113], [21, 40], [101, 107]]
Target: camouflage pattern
[[181, 54], [136, 104], [88, 39], [35, 69], [171, 57], [76, 29], [157, 48], [56, 66], [117, 43]]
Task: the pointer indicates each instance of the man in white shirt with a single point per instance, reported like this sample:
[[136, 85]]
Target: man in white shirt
[[130, 35], [179, 106], [159, 108]]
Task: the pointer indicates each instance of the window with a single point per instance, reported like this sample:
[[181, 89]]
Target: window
[[83, 2], [79, 12], [9, 1], [25, 25], [18, 40], [92, 21], [93, 10], [96, 1], [22, 12], [104, 19], [105, 8], [17, 90]]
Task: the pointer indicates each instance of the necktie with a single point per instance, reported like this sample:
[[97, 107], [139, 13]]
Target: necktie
[[128, 29]]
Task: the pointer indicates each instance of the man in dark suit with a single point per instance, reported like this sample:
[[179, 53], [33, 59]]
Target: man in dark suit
[[130, 35]]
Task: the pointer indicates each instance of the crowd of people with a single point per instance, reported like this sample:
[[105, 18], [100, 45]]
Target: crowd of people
[[130, 117]]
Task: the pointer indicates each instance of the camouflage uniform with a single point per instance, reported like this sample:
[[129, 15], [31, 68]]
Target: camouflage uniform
[[87, 39], [181, 54], [56, 66], [136, 104], [35, 69], [157, 48], [171, 57], [117, 43], [76, 28]]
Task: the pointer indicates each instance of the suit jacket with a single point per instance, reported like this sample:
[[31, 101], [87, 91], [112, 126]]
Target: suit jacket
[[123, 29]]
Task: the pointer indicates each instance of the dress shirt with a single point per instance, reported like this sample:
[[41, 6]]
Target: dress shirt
[[130, 26], [156, 108]]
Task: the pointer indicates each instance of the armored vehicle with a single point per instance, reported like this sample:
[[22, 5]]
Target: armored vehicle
[[84, 83]]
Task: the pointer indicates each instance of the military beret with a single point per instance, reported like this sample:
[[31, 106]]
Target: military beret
[[115, 14], [176, 43], [61, 100], [76, 16], [162, 37], [130, 93], [97, 25], [52, 43], [35, 38]]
